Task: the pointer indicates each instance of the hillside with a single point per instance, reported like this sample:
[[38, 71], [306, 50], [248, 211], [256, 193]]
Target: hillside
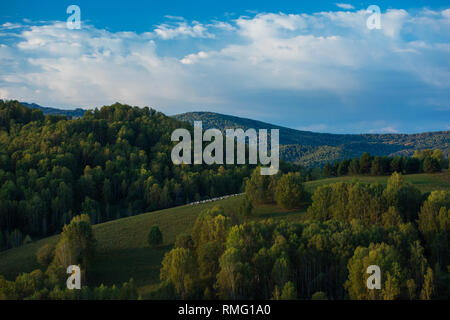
[[123, 251], [305, 147], [311, 148], [110, 163]]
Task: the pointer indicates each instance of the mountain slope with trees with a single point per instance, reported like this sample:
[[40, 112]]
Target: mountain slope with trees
[[305, 147], [112, 162], [312, 149]]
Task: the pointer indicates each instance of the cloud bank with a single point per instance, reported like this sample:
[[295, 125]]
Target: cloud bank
[[323, 71]]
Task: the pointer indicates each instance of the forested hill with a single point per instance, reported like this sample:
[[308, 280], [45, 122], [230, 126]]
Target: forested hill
[[311, 148], [110, 163]]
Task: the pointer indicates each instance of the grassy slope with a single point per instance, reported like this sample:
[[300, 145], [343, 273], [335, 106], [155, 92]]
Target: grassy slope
[[425, 182], [123, 252]]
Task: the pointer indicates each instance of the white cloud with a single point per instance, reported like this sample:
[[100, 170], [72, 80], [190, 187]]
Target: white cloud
[[9, 26], [174, 17], [182, 29], [192, 58], [446, 13], [91, 67], [221, 25], [345, 6], [393, 21], [266, 26]]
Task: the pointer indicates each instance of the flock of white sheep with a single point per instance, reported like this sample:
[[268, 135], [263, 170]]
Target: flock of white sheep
[[215, 199]]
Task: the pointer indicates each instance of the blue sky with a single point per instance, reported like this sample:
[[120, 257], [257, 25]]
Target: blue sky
[[311, 65]]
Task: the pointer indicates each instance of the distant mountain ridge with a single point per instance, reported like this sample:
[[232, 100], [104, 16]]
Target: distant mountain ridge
[[74, 113], [311, 148]]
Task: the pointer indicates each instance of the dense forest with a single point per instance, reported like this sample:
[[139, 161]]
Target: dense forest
[[112, 162], [348, 227]]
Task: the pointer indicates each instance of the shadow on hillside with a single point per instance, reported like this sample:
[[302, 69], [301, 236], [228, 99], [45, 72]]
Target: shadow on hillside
[[118, 266]]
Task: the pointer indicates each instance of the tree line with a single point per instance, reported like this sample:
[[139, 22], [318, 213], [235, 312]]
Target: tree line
[[428, 161]]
